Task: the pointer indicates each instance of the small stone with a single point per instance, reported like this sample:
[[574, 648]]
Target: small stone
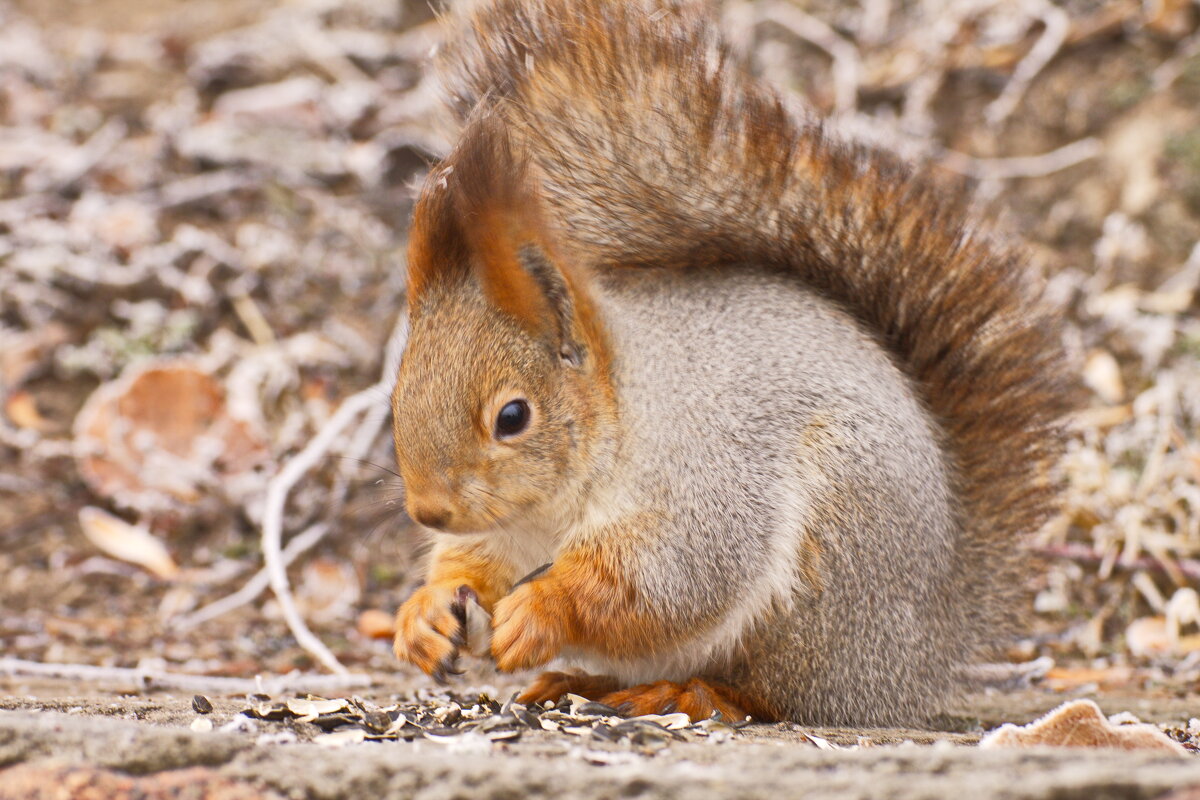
[[328, 722], [449, 715], [201, 704], [606, 732], [201, 725], [268, 711], [504, 735], [673, 722]]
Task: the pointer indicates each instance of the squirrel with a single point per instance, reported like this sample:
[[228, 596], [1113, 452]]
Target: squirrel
[[769, 409]]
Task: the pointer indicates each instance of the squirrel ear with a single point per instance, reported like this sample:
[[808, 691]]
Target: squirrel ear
[[481, 214], [560, 303], [519, 276], [511, 247]]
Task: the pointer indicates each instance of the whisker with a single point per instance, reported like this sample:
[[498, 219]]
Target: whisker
[[365, 463]]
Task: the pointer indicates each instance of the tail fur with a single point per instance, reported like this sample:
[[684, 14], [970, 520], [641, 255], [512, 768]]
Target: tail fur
[[654, 149]]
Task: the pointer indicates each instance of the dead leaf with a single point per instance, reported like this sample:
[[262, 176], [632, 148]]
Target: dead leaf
[[1063, 679], [328, 590], [1080, 723], [23, 353], [1103, 376], [131, 543], [1148, 637], [1170, 18], [162, 435], [22, 409], [376, 624]]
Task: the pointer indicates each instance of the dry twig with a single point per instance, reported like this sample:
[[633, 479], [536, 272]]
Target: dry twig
[[1023, 166], [846, 64], [1058, 25], [152, 678], [299, 544], [1085, 554], [281, 485]]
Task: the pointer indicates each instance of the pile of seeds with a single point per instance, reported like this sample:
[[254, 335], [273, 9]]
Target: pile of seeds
[[478, 718]]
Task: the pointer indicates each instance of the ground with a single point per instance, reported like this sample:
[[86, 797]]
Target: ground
[[60, 738], [221, 187]]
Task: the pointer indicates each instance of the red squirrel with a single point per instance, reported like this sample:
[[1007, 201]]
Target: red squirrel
[[774, 409]]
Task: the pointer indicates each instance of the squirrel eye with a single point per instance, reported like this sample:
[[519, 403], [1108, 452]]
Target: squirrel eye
[[512, 419]]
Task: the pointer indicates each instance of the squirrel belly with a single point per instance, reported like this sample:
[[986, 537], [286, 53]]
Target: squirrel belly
[[806, 527]]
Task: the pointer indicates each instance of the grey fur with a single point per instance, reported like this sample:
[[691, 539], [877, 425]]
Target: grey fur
[[744, 384]]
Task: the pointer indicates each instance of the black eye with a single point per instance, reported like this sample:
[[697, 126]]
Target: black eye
[[512, 419]]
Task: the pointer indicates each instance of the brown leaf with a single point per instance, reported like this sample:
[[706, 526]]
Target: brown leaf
[[376, 624], [131, 543], [1068, 678], [22, 409], [1080, 723], [160, 435]]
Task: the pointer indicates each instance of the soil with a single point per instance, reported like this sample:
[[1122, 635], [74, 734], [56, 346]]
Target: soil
[[72, 737]]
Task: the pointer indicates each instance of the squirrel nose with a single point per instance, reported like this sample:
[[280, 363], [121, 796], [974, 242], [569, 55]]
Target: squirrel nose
[[432, 516]]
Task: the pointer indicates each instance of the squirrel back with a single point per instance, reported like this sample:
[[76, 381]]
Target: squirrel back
[[647, 149]]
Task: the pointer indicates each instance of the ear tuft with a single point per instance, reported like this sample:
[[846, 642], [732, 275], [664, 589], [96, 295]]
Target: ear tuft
[[481, 214]]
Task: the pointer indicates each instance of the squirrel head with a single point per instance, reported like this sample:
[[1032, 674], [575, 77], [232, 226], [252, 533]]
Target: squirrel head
[[504, 386]]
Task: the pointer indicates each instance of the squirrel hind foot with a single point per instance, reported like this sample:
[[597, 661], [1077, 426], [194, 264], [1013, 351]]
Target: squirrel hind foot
[[697, 697], [551, 686]]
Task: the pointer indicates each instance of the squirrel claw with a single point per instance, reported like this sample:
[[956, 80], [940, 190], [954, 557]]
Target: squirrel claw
[[427, 632], [697, 698], [550, 686], [445, 669]]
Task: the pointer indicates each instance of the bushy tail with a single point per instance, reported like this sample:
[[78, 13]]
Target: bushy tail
[[654, 149]]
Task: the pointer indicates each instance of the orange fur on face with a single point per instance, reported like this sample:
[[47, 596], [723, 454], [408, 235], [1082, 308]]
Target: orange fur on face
[[499, 311]]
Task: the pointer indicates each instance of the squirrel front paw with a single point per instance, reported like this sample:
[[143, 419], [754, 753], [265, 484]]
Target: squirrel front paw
[[527, 627], [431, 627]]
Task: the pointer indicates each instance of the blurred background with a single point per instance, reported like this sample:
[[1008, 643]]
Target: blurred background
[[203, 207]]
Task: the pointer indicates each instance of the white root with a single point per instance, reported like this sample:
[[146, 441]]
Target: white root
[[846, 62], [1023, 166], [281, 485], [1058, 25]]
